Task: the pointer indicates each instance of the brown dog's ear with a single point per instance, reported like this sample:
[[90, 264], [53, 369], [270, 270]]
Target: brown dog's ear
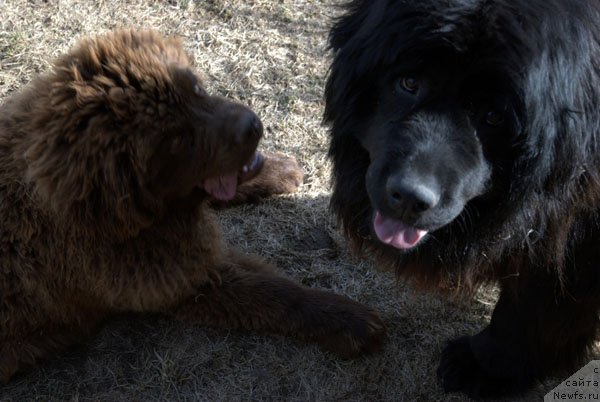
[[60, 177], [75, 127], [86, 163], [100, 186], [61, 162], [85, 140]]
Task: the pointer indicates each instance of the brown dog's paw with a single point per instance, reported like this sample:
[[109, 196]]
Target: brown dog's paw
[[267, 174], [343, 326], [280, 174], [364, 333], [273, 173]]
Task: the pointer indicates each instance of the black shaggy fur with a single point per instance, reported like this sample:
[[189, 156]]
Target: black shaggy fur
[[493, 108]]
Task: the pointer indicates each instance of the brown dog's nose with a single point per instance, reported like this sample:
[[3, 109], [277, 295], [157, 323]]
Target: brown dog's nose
[[250, 127]]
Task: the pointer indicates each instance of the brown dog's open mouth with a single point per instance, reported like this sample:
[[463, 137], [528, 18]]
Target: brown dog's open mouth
[[224, 187]]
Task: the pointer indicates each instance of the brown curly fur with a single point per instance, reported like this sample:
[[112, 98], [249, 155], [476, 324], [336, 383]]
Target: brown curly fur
[[101, 212]]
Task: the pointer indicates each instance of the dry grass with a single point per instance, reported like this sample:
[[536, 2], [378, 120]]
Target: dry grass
[[270, 54]]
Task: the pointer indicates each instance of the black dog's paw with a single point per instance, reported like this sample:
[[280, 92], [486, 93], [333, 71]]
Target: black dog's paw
[[456, 365], [461, 371]]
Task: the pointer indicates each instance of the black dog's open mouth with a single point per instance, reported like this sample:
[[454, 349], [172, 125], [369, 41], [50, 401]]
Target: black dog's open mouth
[[224, 187], [396, 233]]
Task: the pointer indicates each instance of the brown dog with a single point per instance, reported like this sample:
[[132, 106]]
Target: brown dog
[[106, 166]]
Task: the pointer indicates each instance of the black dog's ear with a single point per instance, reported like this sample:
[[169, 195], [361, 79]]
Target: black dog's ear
[[360, 19], [350, 38]]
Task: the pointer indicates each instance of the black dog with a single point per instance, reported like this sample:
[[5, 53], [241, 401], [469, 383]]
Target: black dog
[[465, 137]]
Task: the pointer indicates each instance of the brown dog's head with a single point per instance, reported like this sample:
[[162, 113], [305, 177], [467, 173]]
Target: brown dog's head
[[122, 129]]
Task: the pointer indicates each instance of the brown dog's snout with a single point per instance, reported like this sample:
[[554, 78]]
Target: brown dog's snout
[[248, 127]]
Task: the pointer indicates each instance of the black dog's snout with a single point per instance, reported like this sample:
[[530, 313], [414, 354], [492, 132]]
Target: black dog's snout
[[249, 126], [411, 197]]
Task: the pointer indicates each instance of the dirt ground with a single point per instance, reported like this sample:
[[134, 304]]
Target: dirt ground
[[271, 55]]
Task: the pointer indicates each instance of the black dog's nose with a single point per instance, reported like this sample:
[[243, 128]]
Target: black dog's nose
[[249, 126], [411, 197]]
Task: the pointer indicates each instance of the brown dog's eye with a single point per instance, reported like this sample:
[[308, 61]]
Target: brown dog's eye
[[198, 90], [176, 144], [181, 142], [494, 118], [409, 84]]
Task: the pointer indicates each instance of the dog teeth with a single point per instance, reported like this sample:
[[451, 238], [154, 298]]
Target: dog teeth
[[245, 168]]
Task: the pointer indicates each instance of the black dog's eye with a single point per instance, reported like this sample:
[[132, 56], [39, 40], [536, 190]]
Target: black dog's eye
[[470, 108], [409, 84], [494, 118]]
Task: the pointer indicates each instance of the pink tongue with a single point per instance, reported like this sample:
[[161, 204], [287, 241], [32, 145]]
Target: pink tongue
[[397, 234], [222, 188]]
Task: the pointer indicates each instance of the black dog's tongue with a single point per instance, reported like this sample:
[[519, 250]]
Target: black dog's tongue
[[223, 187], [396, 233]]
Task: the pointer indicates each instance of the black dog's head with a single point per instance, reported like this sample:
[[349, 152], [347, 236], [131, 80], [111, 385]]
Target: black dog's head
[[448, 113], [432, 139]]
